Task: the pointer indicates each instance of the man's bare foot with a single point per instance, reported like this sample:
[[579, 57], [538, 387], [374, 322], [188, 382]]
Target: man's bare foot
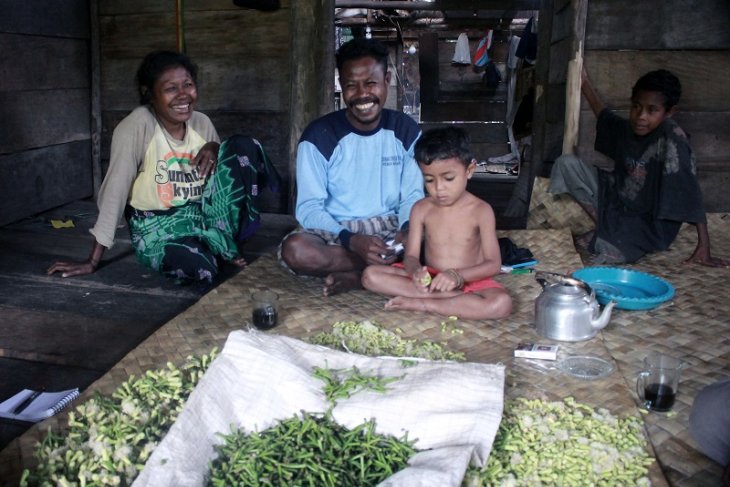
[[338, 282], [401, 302], [239, 262]]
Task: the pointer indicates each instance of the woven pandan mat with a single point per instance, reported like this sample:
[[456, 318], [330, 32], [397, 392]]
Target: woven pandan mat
[[304, 312], [555, 211], [694, 327]]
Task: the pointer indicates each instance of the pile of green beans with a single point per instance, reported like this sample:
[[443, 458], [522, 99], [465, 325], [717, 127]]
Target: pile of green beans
[[309, 451], [109, 438], [564, 444], [368, 338]]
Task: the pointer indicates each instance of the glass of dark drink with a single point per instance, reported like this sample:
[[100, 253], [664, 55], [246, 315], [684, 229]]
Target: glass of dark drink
[[657, 384], [265, 309]]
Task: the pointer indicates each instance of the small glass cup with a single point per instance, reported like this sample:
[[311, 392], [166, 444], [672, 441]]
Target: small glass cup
[[657, 385], [265, 309]]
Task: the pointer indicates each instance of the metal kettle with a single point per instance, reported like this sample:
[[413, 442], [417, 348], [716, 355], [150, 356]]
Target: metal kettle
[[567, 309]]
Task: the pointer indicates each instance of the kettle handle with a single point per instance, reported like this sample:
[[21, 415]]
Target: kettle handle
[[543, 276]]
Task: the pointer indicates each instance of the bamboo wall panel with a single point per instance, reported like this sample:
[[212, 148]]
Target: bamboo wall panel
[[117, 7], [42, 118], [38, 179], [44, 106], [56, 18], [703, 75], [42, 63], [674, 24]]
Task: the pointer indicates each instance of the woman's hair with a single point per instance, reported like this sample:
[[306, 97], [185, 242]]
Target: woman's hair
[[443, 143], [662, 81], [361, 47], [156, 63]]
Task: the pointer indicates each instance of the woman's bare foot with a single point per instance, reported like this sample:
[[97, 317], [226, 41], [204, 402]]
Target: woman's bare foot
[[338, 282]]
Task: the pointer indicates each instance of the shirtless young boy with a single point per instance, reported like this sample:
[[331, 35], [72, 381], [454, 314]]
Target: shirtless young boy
[[461, 251]]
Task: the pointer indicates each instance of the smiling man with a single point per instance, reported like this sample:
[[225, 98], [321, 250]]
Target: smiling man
[[356, 177]]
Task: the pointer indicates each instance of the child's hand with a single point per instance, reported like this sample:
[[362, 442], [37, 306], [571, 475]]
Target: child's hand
[[448, 280], [422, 279]]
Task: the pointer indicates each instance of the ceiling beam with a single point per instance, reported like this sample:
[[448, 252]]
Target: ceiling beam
[[441, 4]]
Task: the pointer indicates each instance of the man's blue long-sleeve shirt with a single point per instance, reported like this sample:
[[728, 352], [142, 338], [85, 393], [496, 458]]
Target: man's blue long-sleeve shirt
[[345, 174]]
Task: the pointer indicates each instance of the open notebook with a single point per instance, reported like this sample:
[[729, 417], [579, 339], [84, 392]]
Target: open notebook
[[34, 406]]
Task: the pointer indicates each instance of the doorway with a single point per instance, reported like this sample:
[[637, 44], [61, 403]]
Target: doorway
[[435, 90]]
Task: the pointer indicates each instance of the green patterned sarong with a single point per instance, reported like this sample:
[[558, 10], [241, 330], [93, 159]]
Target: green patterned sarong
[[183, 242]]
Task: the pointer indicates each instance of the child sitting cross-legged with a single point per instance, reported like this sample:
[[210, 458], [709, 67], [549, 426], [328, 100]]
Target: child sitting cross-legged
[[460, 248]]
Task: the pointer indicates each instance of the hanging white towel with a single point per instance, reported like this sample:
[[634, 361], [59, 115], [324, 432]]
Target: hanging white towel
[[461, 53]]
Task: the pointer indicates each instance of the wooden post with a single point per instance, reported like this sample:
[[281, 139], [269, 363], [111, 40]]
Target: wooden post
[[573, 81], [95, 124], [312, 70]]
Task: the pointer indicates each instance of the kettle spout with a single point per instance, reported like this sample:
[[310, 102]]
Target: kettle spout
[[601, 320]]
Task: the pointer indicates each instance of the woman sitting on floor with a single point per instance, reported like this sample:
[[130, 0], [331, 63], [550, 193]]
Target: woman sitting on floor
[[188, 199]]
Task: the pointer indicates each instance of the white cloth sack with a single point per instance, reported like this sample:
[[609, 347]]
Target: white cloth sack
[[461, 51], [452, 409]]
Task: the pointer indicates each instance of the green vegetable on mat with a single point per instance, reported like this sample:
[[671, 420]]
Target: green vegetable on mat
[[447, 328], [368, 338], [109, 438], [311, 450], [426, 280], [342, 384], [564, 444]]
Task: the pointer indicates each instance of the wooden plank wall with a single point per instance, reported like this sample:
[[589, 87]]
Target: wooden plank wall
[[45, 150], [243, 57], [625, 39], [554, 51]]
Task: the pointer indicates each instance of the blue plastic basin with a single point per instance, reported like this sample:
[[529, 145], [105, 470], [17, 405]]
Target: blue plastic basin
[[630, 289]]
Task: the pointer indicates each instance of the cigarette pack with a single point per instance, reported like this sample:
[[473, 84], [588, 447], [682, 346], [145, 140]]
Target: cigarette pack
[[537, 350], [397, 248]]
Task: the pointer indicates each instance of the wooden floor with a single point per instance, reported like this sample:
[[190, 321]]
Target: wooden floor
[[62, 333]]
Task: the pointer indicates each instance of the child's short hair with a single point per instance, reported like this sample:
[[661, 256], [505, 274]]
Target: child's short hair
[[443, 143], [361, 47], [662, 81]]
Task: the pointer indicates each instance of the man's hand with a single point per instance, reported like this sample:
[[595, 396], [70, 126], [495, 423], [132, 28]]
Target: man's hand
[[371, 249]]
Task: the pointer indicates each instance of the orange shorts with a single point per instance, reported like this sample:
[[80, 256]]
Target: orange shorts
[[469, 287]]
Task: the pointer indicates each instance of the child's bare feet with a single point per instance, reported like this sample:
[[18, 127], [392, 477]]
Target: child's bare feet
[[401, 302], [338, 282]]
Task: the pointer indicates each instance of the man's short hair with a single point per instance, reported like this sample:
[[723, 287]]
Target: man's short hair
[[361, 47], [662, 81], [443, 143]]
